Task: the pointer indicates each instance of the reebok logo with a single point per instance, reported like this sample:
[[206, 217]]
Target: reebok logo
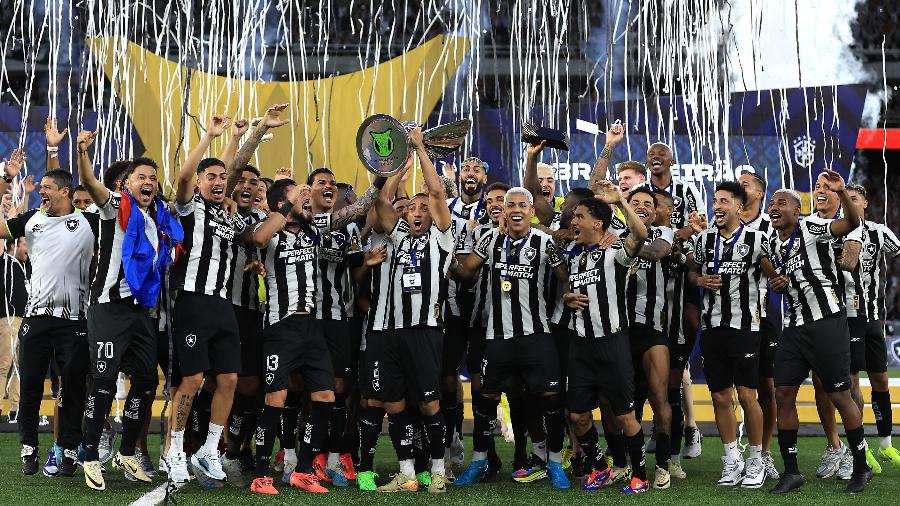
[[749, 355], [839, 384]]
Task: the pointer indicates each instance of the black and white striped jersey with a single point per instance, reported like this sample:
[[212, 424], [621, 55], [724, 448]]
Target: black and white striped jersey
[[763, 223], [482, 281], [338, 250], [211, 246], [462, 211], [674, 274], [686, 199], [850, 288], [737, 261], [520, 266], [880, 244], [459, 228], [245, 285], [417, 278], [290, 261], [647, 287], [60, 249], [602, 275], [379, 280], [807, 258], [109, 282]]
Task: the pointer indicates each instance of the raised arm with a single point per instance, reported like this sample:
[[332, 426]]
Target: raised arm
[[184, 190], [54, 139], [612, 195], [851, 219], [542, 209], [86, 177], [272, 119], [614, 136], [385, 216], [12, 168], [278, 218], [437, 198], [238, 128]]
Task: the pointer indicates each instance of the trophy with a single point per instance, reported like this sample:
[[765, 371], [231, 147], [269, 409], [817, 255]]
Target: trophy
[[383, 144], [533, 134]]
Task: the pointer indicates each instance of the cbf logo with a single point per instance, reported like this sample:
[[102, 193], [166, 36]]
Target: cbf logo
[[804, 151]]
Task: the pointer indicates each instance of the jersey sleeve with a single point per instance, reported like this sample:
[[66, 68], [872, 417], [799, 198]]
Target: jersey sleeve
[[891, 244], [186, 208], [483, 248], [817, 229], [695, 201], [110, 208], [94, 221], [463, 241], [623, 257], [554, 259], [400, 232], [699, 248], [666, 234], [16, 226], [444, 238], [855, 235]]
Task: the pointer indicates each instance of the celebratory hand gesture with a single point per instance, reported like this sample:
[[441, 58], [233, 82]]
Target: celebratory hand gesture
[[14, 164], [534, 150], [375, 256], [255, 266], [273, 118], [85, 139], [609, 193], [239, 127], [833, 181], [218, 125], [28, 184], [697, 222], [53, 135], [615, 134], [449, 170], [415, 136], [284, 173], [576, 300]]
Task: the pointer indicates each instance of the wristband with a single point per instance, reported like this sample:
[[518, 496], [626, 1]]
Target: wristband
[[285, 208], [8, 179], [379, 182], [53, 149], [52, 154]]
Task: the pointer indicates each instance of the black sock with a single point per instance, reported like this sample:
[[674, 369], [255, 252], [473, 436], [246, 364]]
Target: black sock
[[663, 450], [400, 427], [269, 428], [140, 395], [236, 428], [676, 428], [787, 442], [315, 434], [518, 417], [615, 442], [449, 408], [881, 406], [435, 430], [856, 442], [201, 410], [635, 446], [590, 443], [369, 430], [554, 422], [97, 404], [290, 419], [485, 422], [338, 424], [459, 420], [421, 455]]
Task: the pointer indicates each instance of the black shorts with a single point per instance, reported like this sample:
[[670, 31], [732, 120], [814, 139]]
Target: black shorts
[[356, 330], [857, 327], [405, 364], [454, 344], [477, 337], [368, 384], [296, 344], [643, 337], [250, 327], [680, 353], [770, 334], [822, 346], [600, 368], [206, 335], [166, 354], [876, 350], [730, 358], [122, 337], [530, 360], [562, 338], [337, 337]]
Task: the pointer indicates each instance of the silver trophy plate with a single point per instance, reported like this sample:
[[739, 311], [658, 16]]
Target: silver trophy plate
[[383, 144]]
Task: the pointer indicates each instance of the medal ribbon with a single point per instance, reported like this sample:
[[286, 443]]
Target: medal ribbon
[[790, 246], [518, 250], [729, 248]]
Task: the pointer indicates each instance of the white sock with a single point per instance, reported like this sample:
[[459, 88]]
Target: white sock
[[885, 442], [290, 455], [408, 468], [176, 443], [756, 452], [212, 439], [437, 466], [731, 450], [476, 456], [540, 449], [675, 459], [333, 459], [555, 456]]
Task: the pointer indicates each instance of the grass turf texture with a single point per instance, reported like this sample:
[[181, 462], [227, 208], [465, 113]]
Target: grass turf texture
[[699, 488]]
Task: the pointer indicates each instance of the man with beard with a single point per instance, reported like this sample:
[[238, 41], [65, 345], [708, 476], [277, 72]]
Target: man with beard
[[770, 319], [125, 287], [646, 314], [409, 316], [729, 261], [816, 335]]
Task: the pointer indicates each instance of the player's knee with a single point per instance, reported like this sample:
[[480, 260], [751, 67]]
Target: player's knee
[[430, 408], [322, 396], [226, 382], [723, 398], [581, 422], [276, 399], [879, 381], [248, 385], [190, 384], [746, 396]]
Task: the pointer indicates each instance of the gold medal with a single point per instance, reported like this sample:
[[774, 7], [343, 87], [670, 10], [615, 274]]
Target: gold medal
[[506, 285]]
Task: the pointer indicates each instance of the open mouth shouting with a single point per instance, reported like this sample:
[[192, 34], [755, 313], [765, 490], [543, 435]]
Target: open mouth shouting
[[328, 196], [495, 212], [246, 197], [45, 202], [641, 213], [775, 216], [147, 190], [719, 215]]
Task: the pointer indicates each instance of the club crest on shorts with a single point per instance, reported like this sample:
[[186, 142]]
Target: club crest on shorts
[[72, 224], [25, 328], [897, 350], [190, 340], [270, 377], [742, 249], [101, 366]]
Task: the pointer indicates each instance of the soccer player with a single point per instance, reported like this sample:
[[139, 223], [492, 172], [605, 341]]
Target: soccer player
[[816, 335], [878, 242], [519, 345], [729, 259], [646, 314], [206, 332], [600, 364], [126, 286], [60, 248], [81, 199], [754, 216], [630, 174], [408, 315]]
